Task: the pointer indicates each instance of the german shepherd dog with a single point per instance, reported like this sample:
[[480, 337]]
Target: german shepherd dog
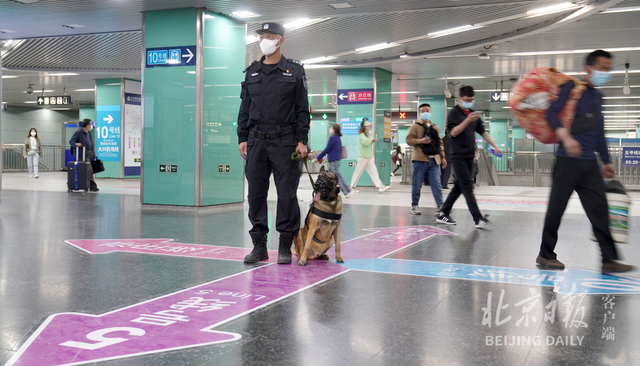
[[315, 237]]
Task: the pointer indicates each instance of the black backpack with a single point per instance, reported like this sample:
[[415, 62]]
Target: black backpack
[[434, 147]]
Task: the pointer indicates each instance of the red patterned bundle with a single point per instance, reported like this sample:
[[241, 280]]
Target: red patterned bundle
[[533, 94]]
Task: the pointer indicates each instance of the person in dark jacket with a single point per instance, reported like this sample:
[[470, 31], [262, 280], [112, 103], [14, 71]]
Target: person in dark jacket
[[80, 139], [333, 151], [576, 167], [273, 123], [463, 123]]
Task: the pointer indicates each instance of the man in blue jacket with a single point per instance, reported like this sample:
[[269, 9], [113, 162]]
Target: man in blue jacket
[[576, 167]]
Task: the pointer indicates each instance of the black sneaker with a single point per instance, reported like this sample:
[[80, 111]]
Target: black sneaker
[[443, 218], [96, 189], [483, 222]]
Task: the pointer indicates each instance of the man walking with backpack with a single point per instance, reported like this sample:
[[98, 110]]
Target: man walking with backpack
[[427, 155], [463, 123], [576, 167]]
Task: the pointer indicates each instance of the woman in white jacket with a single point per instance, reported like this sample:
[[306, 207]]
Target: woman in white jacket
[[32, 150]]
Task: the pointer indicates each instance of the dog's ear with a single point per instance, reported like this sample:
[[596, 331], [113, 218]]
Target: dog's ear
[[334, 193], [321, 170]]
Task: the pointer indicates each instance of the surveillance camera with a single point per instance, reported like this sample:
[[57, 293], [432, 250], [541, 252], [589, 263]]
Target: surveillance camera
[[483, 56], [30, 89], [447, 93]]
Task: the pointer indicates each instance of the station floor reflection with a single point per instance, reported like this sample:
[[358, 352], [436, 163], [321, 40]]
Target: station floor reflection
[[92, 279]]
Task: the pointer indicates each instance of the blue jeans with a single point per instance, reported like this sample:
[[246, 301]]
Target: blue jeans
[[32, 163], [420, 170], [334, 167]]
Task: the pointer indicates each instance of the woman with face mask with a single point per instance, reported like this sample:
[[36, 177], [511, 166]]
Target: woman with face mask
[[32, 150], [366, 159]]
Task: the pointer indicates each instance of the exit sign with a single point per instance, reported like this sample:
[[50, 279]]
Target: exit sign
[[500, 96]]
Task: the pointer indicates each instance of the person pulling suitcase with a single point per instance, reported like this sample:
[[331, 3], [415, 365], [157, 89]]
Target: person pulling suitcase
[[82, 140]]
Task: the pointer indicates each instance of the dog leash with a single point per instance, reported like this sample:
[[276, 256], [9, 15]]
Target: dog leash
[[295, 156]]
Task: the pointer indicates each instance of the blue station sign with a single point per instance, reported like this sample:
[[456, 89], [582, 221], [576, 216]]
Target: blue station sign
[[171, 56], [631, 156]]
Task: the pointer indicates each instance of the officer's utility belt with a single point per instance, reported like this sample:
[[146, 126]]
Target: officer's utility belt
[[270, 135]]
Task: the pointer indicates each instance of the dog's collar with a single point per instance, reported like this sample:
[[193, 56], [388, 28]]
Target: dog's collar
[[325, 215]]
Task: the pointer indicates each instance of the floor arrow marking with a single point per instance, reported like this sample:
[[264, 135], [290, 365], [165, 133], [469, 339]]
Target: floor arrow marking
[[187, 318]]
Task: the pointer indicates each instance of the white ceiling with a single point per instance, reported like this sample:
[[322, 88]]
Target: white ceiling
[[109, 44]]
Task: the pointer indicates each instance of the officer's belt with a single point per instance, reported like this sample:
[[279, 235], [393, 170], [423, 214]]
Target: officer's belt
[[325, 215], [270, 135]]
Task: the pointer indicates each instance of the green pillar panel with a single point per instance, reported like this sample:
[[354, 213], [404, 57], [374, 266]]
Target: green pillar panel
[[319, 132], [498, 133], [169, 134], [353, 114], [108, 126], [438, 112], [383, 103], [87, 111], [224, 60]]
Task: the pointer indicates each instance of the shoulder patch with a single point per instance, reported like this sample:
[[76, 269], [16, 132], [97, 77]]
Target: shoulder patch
[[304, 81], [295, 61], [249, 66]]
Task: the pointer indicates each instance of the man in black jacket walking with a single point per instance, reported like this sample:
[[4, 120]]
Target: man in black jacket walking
[[463, 123]]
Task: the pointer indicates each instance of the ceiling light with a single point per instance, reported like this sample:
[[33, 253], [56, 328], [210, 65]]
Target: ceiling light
[[376, 47], [483, 56], [455, 30], [562, 52], [62, 74], [7, 31], [39, 91], [244, 14], [26, 1], [85, 90], [296, 24], [341, 6], [621, 9], [404, 55], [9, 76], [621, 105], [191, 72], [318, 59], [30, 102], [209, 16], [462, 77], [320, 66], [630, 112], [638, 97], [552, 9]]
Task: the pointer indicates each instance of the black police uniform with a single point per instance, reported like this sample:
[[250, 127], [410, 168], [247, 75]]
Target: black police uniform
[[273, 118]]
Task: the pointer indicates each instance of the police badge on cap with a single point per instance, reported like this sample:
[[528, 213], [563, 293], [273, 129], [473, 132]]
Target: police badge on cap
[[276, 28]]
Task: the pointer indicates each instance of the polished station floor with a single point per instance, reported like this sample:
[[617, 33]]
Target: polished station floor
[[93, 279]]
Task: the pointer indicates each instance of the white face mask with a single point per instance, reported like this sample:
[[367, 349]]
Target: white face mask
[[33, 134], [268, 46]]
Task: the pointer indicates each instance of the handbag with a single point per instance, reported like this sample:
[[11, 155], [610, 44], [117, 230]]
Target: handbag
[[31, 152], [432, 148], [344, 153], [97, 166]]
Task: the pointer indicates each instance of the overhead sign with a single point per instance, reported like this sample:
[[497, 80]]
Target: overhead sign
[[61, 100], [355, 96], [404, 116], [502, 96], [631, 156], [171, 56]]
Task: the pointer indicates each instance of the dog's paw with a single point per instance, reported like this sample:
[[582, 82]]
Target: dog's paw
[[339, 259], [302, 262], [323, 257]]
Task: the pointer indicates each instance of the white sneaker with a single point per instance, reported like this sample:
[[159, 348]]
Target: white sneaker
[[354, 190], [383, 189], [36, 176], [415, 210], [393, 175], [349, 194], [483, 222], [31, 176]]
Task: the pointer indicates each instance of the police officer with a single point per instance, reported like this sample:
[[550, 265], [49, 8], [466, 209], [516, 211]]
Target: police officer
[[273, 123]]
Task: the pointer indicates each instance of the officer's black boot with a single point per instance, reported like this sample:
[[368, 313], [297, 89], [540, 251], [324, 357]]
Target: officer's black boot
[[284, 249], [259, 252]]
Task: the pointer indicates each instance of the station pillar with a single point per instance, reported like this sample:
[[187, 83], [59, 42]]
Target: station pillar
[[365, 92], [191, 80]]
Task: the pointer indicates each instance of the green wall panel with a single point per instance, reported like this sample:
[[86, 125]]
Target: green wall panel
[[87, 111], [224, 61], [354, 79], [169, 112], [383, 103]]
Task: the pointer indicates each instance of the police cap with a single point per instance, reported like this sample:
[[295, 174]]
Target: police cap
[[276, 28]]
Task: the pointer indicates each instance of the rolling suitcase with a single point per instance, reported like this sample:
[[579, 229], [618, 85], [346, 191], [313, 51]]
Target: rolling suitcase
[[78, 173]]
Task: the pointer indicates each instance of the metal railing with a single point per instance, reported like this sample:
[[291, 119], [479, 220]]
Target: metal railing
[[51, 159], [407, 167]]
